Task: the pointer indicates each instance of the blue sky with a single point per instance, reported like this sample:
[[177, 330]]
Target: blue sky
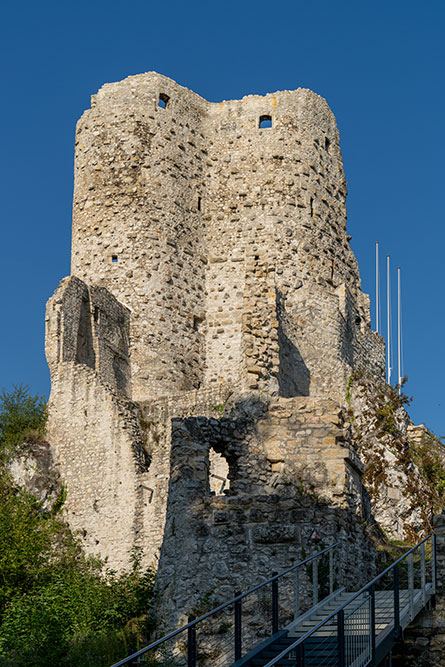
[[379, 64]]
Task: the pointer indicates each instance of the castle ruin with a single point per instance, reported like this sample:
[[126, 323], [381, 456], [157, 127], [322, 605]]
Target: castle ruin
[[201, 348]]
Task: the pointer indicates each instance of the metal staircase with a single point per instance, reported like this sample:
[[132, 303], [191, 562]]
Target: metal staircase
[[273, 623]]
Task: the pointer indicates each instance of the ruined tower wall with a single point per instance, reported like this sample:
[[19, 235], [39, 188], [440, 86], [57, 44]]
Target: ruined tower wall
[[178, 210], [94, 436], [210, 260], [277, 206], [215, 545], [136, 225]]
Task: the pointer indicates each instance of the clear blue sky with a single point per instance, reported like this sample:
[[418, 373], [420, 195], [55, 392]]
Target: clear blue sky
[[379, 63]]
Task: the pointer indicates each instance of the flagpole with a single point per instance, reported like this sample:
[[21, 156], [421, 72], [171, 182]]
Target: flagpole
[[388, 317]]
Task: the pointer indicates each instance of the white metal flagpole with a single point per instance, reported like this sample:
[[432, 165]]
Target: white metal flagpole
[[388, 316], [399, 330], [377, 287]]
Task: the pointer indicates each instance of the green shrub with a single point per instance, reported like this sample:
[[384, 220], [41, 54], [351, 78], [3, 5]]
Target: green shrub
[[22, 417], [57, 607]]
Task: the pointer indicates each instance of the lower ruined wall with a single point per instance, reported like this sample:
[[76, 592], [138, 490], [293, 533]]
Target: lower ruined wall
[[95, 438], [115, 456], [216, 544]]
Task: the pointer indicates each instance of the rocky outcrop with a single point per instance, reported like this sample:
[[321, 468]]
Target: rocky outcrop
[[32, 468], [404, 465]]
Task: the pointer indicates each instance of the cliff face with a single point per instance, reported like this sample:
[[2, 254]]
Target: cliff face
[[33, 469], [404, 464]]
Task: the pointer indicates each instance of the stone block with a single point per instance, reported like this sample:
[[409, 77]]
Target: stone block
[[274, 534]]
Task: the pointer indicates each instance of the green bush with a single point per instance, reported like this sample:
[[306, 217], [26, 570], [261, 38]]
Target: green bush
[[22, 417], [57, 607]]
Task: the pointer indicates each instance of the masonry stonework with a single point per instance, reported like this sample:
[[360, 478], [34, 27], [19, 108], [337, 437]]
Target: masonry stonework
[[201, 349], [210, 228]]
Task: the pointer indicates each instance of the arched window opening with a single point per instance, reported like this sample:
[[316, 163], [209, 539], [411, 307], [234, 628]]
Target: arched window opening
[[327, 144], [265, 121], [163, 100], [218, 473]]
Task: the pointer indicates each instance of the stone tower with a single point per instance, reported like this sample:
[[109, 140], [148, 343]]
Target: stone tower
[[225, 239], [211, 270]]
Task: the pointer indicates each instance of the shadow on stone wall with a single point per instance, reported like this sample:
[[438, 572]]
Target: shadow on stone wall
[[216, 544], [294, 377], [84, 346]]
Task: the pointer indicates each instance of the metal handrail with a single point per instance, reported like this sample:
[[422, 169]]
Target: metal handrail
[[302, 639], [195, 621]]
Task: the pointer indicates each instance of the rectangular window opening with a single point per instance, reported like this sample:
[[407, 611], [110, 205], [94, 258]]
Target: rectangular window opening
[[163, 101], [265, 121], [197, 321], [114, 259]]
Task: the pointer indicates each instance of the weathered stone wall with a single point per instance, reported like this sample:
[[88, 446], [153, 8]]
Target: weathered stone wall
[[98, 446], [179, 211], [214, 545], [210, 262], [87, 325]]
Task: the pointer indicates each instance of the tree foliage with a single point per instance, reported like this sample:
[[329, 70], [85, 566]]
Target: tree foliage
[[57, 607], [22, 416]]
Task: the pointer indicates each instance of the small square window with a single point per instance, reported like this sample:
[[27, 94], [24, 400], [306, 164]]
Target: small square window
[[163, 100], [114, 259], [265, 121]]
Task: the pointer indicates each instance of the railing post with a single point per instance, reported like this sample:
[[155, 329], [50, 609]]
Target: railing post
[[300, 655], [331, 571], [372, 625], [237, 619], [396, 602], [296, 574], [274, 604], [433, 563], [423, 573], [341, 637], [191, 644], [411, 585], [315, 581]]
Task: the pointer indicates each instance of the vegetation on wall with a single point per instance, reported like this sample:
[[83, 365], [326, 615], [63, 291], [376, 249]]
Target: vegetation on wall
[[381, 430], [57, 607]]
